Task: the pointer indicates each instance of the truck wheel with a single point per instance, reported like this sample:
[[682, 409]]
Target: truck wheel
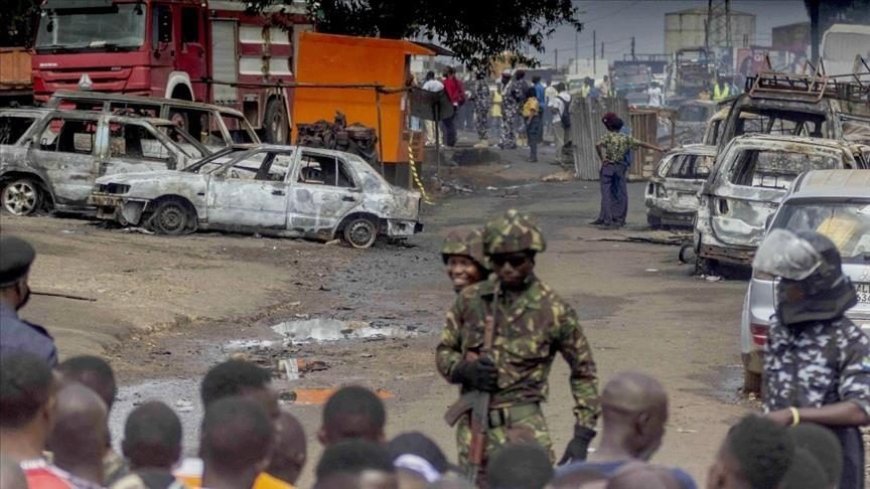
[[360, 232], [275, 122], [21, 197], [751, 382], [172, 217]]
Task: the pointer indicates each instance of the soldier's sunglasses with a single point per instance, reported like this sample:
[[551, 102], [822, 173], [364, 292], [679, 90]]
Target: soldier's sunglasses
[[514, 260]]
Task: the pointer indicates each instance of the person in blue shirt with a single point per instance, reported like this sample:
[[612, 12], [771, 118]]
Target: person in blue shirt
[[634, 409], [540, 91]]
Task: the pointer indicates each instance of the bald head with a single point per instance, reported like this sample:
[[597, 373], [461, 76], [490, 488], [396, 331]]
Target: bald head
[[79, 436], [635, 410], [11, 475], [290, 453]]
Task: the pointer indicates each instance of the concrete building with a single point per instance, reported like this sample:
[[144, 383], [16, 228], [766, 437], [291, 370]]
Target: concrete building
[[687, 29]]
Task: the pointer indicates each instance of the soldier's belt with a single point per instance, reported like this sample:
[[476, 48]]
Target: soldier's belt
[[505, 415]]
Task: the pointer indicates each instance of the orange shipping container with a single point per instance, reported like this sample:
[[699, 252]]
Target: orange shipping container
[[14, 69]]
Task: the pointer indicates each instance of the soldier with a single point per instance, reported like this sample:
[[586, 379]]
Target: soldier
[[817, 362], [463, 255], [510, 107], [500, 339], [482, 105]]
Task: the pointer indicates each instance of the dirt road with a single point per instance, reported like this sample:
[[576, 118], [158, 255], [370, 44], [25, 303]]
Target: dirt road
[[167, 308]]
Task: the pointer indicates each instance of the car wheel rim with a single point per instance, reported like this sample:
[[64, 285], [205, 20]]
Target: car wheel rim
[[172, 219], [20, 198], [361, 233]]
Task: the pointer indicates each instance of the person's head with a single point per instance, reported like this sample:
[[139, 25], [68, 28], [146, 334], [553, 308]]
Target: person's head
[[16, 256], [519, 466], [353, 412], [560, 87], [291, 449], [92, 372], [430, 75], [511, 242], [415, 454], [756, 454], [11, 475], [531, 93], [355, 464], [536, 79], [80, 434], [635, 410], [236, 440], [463, 255], [520, 74], [240, 378], [27, 398], [505, 76], [805, 472], [612, 122], [589, 81], [449, 72], [812, 286], [152, 437], [824, 446]]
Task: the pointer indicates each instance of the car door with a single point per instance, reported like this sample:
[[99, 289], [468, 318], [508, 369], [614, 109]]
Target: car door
[[134, 147], [65, 152], [251, 194], [324, 190]]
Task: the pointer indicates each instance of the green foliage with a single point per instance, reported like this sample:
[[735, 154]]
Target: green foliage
[[476, 30], [18, 22]]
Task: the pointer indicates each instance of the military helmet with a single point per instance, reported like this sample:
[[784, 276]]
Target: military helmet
[[468, 244], [511, 233]]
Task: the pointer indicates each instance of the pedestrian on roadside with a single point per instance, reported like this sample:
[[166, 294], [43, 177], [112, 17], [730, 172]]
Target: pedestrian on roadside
[[549, 94], [510, 111], [356, 464], [236, 441], [353, 412], [655, 97], [482, 104], [612, 150], [605, 87], [97, 375], [27, 405], [533, 119], [756, 454], [532, 324], [431, 84], [16, 257], [518, 90], [634, 408], [560, 108], [816, 367], [462, 253], [80, 435], [152, 444], [456, 94], [291, 450], [540, 91], [496, 112], [520, 466]]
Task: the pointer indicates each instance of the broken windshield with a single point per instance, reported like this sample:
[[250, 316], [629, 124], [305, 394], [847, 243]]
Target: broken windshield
[[778, 169], [121, 26], [846, 222]]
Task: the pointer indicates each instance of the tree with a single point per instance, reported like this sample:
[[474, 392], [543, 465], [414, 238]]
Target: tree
[[475, 30], [19, 19]]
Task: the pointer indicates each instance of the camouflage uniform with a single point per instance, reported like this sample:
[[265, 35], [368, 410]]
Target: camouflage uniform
[[529, 329], [817, 365], [466, 244], [482, 104], [510, 113]]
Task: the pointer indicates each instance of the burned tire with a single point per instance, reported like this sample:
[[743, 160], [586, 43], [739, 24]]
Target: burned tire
[[173, 217], [21, 197], [751, 382], [275, 122], [360, 232]]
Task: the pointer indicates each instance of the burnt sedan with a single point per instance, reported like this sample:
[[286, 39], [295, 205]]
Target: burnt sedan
[[672, 192], [283, 191]]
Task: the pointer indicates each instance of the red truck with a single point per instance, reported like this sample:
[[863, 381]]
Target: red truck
[[201, 50]]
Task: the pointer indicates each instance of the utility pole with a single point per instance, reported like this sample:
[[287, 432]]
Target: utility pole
[[594, 61], [576, 52], [602, 50], [633, 58], [556, 60]]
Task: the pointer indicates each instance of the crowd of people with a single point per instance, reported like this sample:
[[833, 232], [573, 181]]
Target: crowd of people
[[501, 337]]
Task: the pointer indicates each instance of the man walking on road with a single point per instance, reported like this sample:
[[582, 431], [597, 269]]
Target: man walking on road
[[817, 361], [482, 105], [501, 338], [560, 109]]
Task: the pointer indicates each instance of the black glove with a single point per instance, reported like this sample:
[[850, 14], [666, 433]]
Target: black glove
[[478, 375], [578, 446]]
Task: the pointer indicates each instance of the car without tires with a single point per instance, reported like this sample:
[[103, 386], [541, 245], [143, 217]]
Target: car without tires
[[835, 203], [283, 191], [672, 192], [53, 163]]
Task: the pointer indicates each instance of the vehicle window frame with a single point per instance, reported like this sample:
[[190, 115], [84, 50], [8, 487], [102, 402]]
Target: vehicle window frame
[[779, 220], [34, 119], [169, 162], [339, 163], [46, 125]]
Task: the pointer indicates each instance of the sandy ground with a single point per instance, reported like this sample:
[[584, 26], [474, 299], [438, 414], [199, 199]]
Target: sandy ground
[[168, 308]]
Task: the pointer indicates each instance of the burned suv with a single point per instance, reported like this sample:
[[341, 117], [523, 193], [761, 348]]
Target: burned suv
[[750, 177]]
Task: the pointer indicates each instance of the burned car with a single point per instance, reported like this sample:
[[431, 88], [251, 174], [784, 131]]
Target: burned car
[[692, 120], [672, 192], [213, 125], [283, 191], [53, 163], [750, 177]]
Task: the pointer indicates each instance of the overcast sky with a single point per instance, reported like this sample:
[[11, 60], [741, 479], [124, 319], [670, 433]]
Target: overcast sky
[[615, 21]]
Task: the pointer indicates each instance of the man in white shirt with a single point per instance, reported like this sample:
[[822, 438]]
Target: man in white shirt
[[656, 97], [431, 84], [561, 121]]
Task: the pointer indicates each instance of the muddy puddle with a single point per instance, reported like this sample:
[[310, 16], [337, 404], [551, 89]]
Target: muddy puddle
[[327, 329]]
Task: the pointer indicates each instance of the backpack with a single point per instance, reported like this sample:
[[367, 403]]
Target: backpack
[[565, 113]]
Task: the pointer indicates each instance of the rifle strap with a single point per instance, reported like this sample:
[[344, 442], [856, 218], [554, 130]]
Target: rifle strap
[[489, 324]]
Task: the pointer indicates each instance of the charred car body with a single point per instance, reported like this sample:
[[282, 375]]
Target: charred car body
[[672, 192], [750, 177], [283, 191], [213, 125], [53, 163]]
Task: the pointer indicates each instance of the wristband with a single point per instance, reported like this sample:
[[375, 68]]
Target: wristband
[[795, 416]]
